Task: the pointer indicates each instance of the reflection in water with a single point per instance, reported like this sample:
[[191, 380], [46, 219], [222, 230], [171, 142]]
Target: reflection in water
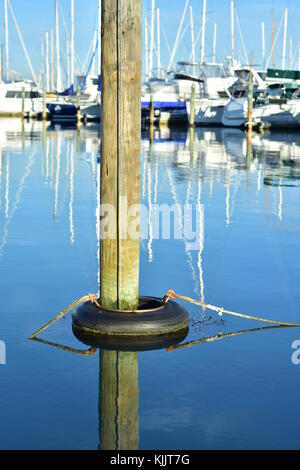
[[72, 235], [58, 157], [57, 152], [212, 155], [9, 215], [118, 401], [7, 187]]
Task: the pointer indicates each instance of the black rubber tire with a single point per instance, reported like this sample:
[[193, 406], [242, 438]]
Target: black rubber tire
[[167, 319]]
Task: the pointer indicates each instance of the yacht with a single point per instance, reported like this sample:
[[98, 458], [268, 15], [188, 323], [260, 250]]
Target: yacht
[[11, 99], [172, 94], [272, 107]]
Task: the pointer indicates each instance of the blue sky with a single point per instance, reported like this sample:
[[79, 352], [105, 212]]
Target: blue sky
[[35, 17]]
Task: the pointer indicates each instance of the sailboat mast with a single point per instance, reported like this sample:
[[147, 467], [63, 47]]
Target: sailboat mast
[[273, 37], [177, 36], [215, 43], [158, 41], [146, 49], [232, 29], [47, 62], [43, 64], [58, 71], [22, 43], [192, 34], [284, 37], [72, 44], [68, 63], [291, 54], [202, 55], [152, 39], [263, 44], [94, 52], [52, 58], [6, 41]]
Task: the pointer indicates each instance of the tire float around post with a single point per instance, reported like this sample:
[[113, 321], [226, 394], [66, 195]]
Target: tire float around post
[[154, 325]]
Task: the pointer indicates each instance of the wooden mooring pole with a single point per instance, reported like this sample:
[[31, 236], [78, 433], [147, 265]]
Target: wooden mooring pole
[[78, 98], [192, 107], [250, 98], [23, 105], [151, 115], [120, 189], [120, 152], [44, 113]]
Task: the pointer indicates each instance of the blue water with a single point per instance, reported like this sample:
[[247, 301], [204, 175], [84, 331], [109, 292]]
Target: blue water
[[237, 392]]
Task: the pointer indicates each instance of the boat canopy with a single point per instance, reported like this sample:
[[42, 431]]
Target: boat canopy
[[205, 70]]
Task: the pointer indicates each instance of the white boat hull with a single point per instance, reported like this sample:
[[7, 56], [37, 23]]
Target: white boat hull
[[284, 115], [208, 112]]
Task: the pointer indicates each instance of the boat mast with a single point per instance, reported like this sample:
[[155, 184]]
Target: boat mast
[[202, 55], [68, 63], [22, 43], [273, 38], [47, 62], [177, 36], [263, 44], [274, 42], [146, 49], [72, 44], [158, 41], [99, 37], [291, 54], [6, 41], [284, 37], [192, 34], [43, 64], [215, 43], [58, 71], [94, 52], [52, 58], [152, 39], [232, 30]]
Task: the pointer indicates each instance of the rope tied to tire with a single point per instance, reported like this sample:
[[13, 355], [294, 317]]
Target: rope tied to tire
[[87, 298], [171, 294], [220, 310]]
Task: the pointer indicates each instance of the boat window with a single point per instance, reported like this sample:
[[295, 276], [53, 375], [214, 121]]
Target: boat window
[[10, 94], [202, 70], [214, 71], [18, 94], [243, 74]]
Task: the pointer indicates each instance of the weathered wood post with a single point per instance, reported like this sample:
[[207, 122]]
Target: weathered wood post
[[151, 116], [120, 150], [120, 188], [250, 98], [192, 107], [44, 112], [23, 104], [78, 109]]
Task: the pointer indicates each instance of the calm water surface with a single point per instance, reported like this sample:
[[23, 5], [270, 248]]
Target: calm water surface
[[236, 392]]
